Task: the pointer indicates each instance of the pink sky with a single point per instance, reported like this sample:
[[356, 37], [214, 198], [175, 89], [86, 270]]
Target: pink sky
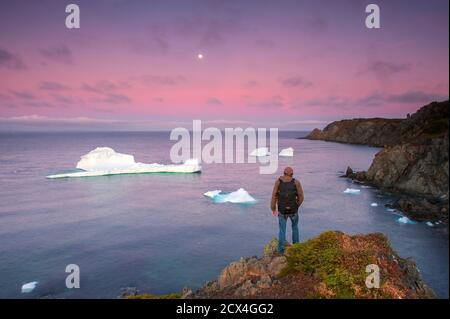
[[286, 64]]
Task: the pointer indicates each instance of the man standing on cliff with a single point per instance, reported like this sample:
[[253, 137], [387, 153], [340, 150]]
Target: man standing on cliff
[[287, 194]]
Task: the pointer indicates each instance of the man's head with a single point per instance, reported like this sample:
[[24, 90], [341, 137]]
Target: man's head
[[288, 171]]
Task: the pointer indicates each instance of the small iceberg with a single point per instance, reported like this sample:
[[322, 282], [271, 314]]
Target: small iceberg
[[374, 205], [212, 194], [241, 196], [430, 224], [287, 152], [105, 161], [405, 220], [352, 191], [29, 287], [392, 210], [259, 152]]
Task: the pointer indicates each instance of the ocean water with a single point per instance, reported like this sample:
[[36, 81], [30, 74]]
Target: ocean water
[[157, 232]]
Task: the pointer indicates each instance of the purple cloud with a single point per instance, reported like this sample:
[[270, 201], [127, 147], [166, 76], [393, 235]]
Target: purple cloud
[[377, 99], [384, 69], [162, 80], [60, 54], [157, 42], [52, 86], [251, 84], [295, 81], [10, 60], [416, 97], [275, 101], [214, 101], [24, 95], [116, 98], [105, 86]]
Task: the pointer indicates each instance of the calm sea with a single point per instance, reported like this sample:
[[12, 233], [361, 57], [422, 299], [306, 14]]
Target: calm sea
[[158, 232]]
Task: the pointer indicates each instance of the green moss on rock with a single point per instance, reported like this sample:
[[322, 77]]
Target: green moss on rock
[[340, 262]]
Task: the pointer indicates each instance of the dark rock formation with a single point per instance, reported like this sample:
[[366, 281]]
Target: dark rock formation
[[373, 132], [427, 123], [414, 162], [332, 265]]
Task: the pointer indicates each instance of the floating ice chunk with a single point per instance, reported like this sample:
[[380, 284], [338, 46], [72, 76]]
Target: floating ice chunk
[[262, 151], [138, 168], [29, 287], [241, 196], [392, 210], [374, 205], [430, 224], [405, 220], [288, 152], [352, 191], [105, 161], [212, 194]]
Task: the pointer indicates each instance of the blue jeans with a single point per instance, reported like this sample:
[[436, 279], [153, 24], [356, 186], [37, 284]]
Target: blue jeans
[[282, 221]]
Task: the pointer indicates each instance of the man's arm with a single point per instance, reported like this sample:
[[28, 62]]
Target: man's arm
[[300, 196], [273, 202]]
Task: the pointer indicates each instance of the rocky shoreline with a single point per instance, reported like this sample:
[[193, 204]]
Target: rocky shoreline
[[331, 265], [413, 164], [416, 208], [373, 132]]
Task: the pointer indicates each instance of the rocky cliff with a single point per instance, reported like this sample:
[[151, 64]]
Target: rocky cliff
[[373, 132], [428, 122], [332, 265], [413, 163]]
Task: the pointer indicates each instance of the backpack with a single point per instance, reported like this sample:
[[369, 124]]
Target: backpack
[[287, 197]]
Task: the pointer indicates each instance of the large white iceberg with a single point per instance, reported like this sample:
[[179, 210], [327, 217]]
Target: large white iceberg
[[105, 161], [241, 196], [288, 152], [262, 151], [29, 287], [352, 191]]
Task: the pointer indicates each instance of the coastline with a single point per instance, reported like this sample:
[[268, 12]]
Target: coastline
[[413, 163]]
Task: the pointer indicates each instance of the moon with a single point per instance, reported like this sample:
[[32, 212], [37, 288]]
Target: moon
[[199, 56]]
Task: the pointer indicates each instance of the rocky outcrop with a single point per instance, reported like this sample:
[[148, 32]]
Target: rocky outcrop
[[332, 265], [414, 162], [373, 132], [428, 122]]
